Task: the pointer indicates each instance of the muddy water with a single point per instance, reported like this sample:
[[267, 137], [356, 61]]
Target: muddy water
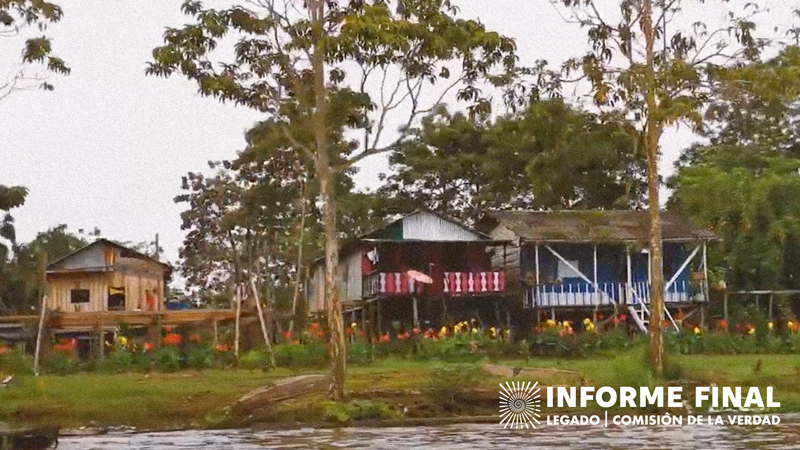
[[694, 437]]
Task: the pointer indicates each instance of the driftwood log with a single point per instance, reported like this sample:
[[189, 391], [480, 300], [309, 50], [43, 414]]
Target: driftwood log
[[280, 390]]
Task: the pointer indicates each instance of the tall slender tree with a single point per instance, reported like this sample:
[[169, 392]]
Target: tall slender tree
[[361, 66], [660, 68]]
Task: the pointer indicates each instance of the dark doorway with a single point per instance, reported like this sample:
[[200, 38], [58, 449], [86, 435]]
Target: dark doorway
[[116, 299]]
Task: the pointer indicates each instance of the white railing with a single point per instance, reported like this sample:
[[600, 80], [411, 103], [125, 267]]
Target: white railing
[[606, 293]]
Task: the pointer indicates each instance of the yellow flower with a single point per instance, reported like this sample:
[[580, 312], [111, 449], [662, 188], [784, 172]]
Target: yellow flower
[[474, 330], [751, 331], [790, 325], [123, 341], [587, 320], [697, 330], [353, 325], [770, 325]]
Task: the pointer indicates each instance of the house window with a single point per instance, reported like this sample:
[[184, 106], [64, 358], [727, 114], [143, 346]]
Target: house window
[[116, 298], [564, 271], [79, 296]]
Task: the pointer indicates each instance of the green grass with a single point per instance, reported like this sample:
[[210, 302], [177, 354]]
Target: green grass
[[198, 399]]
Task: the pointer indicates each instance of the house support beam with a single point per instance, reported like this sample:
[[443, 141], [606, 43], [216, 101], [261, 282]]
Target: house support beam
[[568, 264], [416, 311], [681, 268], [628, 293], [594, 284]]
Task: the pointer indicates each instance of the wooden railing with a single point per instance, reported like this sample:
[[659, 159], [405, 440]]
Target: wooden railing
[[607, 293], [452, 283], [468, 283]]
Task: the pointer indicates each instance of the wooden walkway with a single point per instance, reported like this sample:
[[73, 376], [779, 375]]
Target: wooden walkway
[[90, 321]]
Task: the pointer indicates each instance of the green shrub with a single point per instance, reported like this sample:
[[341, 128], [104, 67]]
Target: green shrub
[[167, 359], [198, 357], [60, 363], [446, 382], [15, 363], [255, 360], [360, 352], [301, 355]]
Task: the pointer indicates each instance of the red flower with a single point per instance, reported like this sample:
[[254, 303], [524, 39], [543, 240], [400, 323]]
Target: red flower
[[403, 336], [361, 333], [148, 346], [415, 330], [623, 317], [313, 326], [723, 324], [287, 335], [295, 342], [194, 337], [4, 350], [222, 348], [349, 331], [173, 339], [385, 337], [321, 334]]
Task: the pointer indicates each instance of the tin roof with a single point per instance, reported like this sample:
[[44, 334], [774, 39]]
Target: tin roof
[[595, 226]]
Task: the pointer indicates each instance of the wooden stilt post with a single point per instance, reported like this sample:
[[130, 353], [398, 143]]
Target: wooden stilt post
[[595, 286], [725, 309], [770, 306], [216, 333], [533, 293], [416, 311], [237, 296], [261, 319], [379, 319], [628, 292], [38, 351]]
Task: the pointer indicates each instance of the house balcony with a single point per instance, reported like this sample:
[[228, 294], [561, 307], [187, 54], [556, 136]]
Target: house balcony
[[609, 294], [452, 284]]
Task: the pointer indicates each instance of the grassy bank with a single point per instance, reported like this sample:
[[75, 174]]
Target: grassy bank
[[388, 388]]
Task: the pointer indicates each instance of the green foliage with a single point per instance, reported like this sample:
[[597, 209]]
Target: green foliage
[[301, 355], [460, 166], [446, 382], [15, 363], [60, 363], [167, 359], [199, 356], [360, 352], [20, 14], [254, 360], [345, 413]]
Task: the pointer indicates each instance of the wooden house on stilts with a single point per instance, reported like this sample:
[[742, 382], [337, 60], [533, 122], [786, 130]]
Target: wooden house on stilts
[[592, 260], [422, 270]]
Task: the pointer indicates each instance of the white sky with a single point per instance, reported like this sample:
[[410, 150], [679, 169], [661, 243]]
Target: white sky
[[108, 147]]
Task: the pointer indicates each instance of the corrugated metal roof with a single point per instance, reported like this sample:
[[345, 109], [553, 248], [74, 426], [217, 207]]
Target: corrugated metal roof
[[596, 226], [103, 241]]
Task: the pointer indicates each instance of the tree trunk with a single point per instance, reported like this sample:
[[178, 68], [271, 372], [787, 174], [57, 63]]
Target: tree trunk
[[325, 174], [298, 272], [654, 128]]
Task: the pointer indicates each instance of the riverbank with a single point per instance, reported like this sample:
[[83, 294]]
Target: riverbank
[[388, 389]]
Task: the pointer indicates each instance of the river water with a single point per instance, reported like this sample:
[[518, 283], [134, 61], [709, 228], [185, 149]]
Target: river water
[[786, 435]]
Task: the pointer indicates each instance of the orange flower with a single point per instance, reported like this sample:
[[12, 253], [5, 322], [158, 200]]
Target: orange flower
[[148, 346], [222, 348], [4, 350], [172, 339], [295, 342]]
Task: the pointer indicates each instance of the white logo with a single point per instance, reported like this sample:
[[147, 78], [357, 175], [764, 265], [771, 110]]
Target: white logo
[[520, 405]]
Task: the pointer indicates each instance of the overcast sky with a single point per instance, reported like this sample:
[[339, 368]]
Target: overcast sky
[[108, 147]]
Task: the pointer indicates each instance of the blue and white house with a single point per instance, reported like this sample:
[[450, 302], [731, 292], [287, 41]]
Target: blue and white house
[[600, 259]]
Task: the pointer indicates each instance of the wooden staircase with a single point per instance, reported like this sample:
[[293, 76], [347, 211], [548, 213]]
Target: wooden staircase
[[640, 313]]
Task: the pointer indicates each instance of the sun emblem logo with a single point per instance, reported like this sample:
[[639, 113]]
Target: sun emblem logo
[[520, 405]]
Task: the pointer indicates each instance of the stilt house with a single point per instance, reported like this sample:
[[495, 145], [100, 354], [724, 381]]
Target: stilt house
[[598, 259], [106, 276], [421, 270]]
